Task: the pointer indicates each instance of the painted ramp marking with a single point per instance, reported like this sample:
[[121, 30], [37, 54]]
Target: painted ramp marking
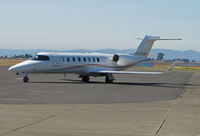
[[12, 99]]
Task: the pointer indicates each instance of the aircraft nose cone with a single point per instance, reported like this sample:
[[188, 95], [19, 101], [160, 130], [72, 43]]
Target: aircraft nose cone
[[26, 66], [12, 69]]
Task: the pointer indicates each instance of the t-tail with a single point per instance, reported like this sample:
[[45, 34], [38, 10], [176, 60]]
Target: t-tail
[[146, 45]]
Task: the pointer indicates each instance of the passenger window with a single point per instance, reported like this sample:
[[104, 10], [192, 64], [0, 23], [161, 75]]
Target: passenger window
[[89, 59], [73, 59], [84, 59], [98, 60], [68, 59], [79, 59], [93, 59], [63, 59]]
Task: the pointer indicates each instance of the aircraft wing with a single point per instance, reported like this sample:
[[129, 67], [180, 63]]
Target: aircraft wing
[[136, 72], [131, 72]]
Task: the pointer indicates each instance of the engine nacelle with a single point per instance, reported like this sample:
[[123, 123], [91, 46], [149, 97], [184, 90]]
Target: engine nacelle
[[115, 58], [123, 60]]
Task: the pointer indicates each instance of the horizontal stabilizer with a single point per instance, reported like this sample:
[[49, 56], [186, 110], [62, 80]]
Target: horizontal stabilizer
[[158, 38]]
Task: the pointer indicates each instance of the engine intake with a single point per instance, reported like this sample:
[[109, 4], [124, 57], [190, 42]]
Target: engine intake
[[115, 58]]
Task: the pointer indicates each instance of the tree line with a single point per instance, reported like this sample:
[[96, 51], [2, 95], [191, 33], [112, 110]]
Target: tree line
[[25, 56], [160, 57]]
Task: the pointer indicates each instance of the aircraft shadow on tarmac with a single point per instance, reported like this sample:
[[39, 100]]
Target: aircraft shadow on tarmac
[[167, 85]]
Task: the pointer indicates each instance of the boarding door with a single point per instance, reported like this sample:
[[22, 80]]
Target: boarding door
[[56, 61]]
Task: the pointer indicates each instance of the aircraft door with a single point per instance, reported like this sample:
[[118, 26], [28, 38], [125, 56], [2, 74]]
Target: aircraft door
[[56, 61]]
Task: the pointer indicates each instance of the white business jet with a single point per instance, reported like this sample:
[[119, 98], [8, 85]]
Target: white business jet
[[87, 64]]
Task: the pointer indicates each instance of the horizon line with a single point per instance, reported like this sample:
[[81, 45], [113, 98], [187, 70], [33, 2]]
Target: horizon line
[[98, 49]]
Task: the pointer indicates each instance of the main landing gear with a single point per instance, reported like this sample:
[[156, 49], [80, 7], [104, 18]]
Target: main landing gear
[[109, 78], [26, 79], [86, 79]]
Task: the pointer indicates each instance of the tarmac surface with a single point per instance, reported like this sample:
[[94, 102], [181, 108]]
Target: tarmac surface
[[151, 105], [54, 89]]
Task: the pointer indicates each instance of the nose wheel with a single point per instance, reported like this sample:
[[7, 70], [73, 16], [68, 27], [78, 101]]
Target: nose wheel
[[86, 79], [26, 79]]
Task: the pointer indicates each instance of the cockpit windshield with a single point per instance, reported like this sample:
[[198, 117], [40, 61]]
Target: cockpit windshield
[[41, 58]]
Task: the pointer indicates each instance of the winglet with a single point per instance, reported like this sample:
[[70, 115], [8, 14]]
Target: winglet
[[172, 66]]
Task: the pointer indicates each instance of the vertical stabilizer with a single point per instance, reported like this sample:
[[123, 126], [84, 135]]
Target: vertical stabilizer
[[146, 45]]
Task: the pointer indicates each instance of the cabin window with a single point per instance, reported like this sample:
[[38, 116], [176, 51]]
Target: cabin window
[[68, 59], [89, 59], [93, 59], [73, 59], [63, 59], [79, 59], [41, 58], [98, 60], [84, 59]]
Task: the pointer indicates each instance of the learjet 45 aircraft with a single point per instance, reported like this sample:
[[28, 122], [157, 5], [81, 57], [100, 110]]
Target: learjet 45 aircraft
[[87, 64]]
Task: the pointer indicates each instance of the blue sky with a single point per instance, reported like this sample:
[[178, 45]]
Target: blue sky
[[98, 24]]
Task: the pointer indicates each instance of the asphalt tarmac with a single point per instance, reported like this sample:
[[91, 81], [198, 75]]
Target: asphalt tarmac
[[141, 105], [55, 89]]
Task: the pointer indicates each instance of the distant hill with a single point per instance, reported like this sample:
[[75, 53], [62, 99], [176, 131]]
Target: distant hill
[[169, 54]]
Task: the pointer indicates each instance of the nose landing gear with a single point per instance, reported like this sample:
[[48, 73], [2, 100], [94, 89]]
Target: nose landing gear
[[26, 79]]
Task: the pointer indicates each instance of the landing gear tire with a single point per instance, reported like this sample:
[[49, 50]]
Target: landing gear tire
[[25, 79], [86, 79], [107, 80]]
